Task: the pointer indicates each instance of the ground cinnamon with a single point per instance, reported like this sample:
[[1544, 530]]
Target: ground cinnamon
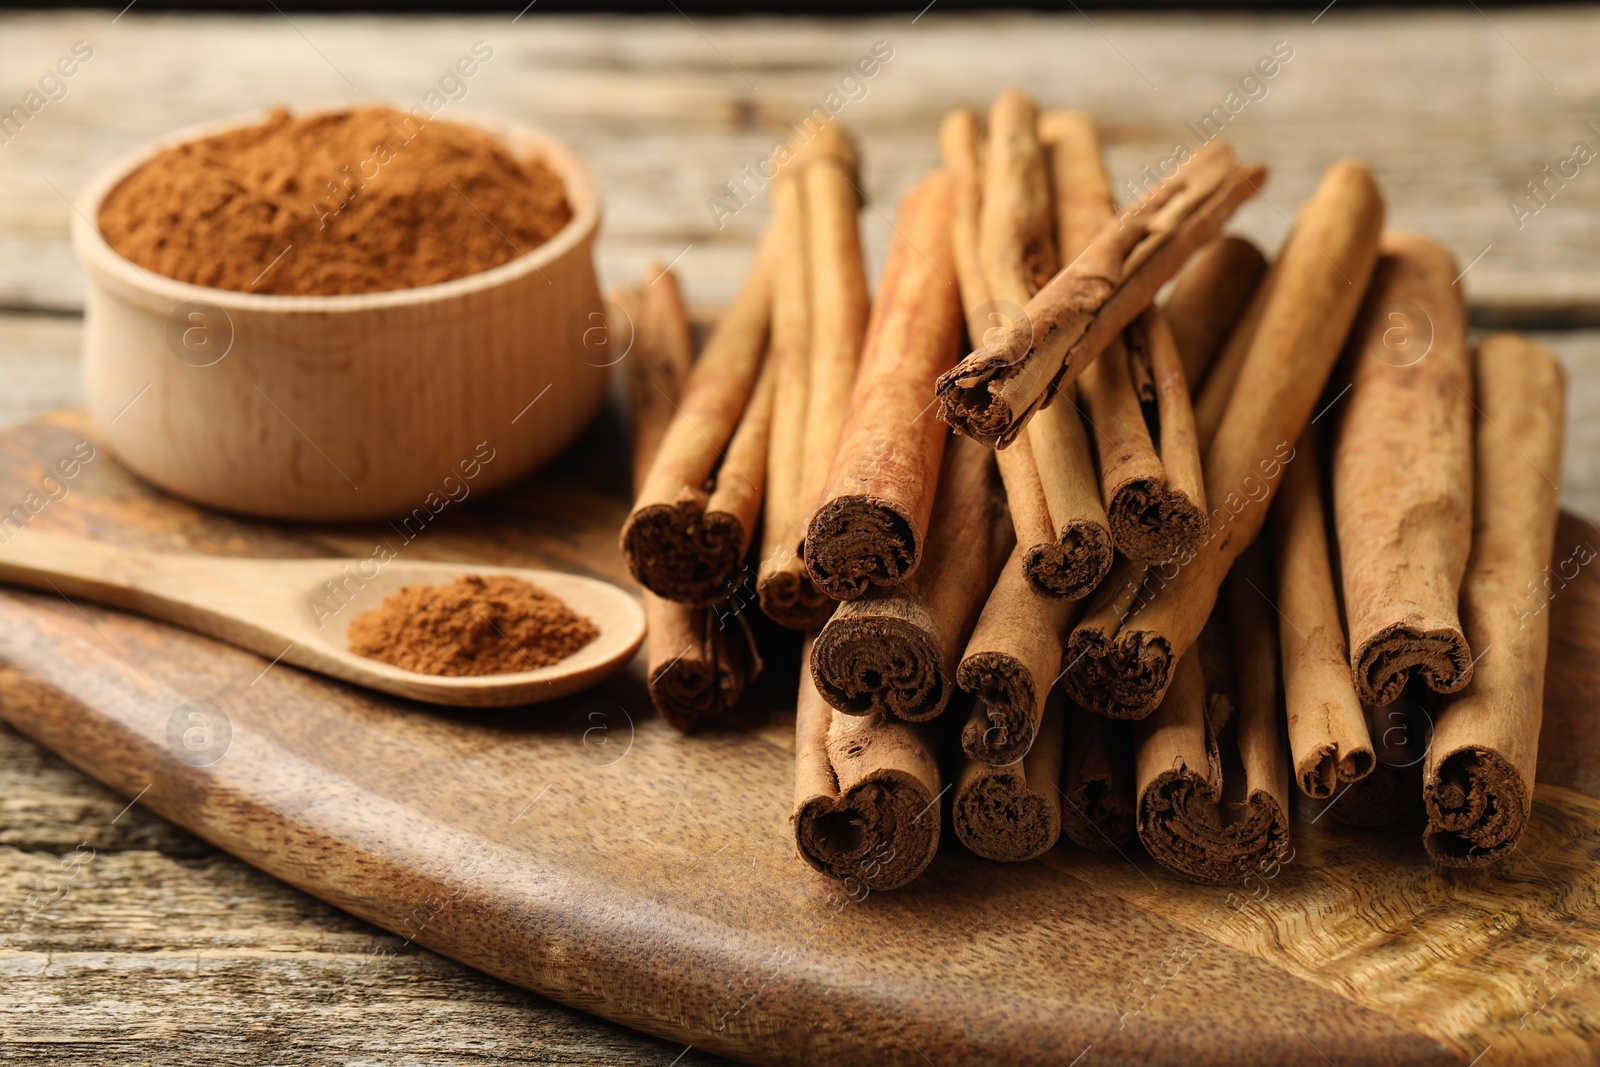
[[477, 624], [356, 201]]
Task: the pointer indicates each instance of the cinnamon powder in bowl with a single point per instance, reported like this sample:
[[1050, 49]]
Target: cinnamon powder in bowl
[[357, 202], [329, 317]]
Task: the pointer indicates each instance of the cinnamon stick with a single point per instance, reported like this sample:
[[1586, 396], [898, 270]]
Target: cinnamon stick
[[1097, 795], [1207, 299], [871, 525], [836, 292], [1150, 516], [894, 651], [1012, 813], [1402, 474], [1479, 774], [1291, 342], [698, 660], [1081, 555], [993, 393], [784, 588], [1010, 666], [1328, 738], [696, 511], [1154, 500], [1213, 783], [1060, 559], [866, 793]]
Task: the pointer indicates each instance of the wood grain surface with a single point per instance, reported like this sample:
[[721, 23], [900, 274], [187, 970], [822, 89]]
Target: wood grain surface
[[1456, 107], [652, 879]]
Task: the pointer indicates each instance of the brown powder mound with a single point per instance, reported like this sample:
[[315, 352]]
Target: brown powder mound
[[354, 202], [488, 624]]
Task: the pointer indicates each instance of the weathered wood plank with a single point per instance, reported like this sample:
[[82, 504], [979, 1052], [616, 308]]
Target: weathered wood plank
[[128, 940], [1455, 112]]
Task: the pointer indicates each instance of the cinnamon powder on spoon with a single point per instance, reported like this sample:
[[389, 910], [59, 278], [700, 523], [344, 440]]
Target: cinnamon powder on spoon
[[357, 201], [477, 624]]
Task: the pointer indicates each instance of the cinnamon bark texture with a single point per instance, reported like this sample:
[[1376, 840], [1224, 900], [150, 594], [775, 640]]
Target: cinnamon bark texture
[[1402, 474], [837, 291], [865, 795], [871, 526], [1154, 500], [1097, 797], [1010, 666], [1119, 668], [1012, 813], [699, 661], [1151, 516], [993, 393], [894, 651], [1069, 557], [695, 513], [1081, 554], [785, 590], [1328, 738], [1479, 774], [1207, 300], [1307, 303], [1213, 781], [1401, 734]]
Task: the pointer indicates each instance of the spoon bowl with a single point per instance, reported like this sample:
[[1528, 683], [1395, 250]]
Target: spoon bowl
[[298, 611]]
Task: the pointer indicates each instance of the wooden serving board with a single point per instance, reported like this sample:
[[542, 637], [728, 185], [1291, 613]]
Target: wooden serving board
[[584, 850]]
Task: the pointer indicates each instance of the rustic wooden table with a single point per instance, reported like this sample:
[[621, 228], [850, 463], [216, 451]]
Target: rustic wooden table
[[171, 951]]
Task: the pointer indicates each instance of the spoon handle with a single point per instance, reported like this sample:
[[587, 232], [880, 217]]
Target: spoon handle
[[75, 567]]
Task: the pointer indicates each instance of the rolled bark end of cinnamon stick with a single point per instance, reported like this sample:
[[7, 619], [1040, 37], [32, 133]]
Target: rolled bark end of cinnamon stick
[[863, 664], [1182, 827], [1121, 676], [1004, 715], [699, 665], [1183, 820], [1072, 566], [1477, 807], [789, 598], [1000, 818], [1153, 522], [1320, 773], [1012, 813], [683, 552], [856, 542], [1439, 657], [884, 832], [866, 794]]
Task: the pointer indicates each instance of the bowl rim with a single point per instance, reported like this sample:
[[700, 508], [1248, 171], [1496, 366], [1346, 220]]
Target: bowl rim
[[583, 195]]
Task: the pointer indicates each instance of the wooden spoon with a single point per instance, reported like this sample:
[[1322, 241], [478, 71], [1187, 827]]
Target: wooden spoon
[[282, 609]]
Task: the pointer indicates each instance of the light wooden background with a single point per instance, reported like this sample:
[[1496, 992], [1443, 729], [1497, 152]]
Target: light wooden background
[[170, 951]]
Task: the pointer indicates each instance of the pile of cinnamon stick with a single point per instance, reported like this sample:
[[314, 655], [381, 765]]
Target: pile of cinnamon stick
[[1206, 523]]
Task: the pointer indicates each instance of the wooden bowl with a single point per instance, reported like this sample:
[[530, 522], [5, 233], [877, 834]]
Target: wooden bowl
[[331, 408]]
